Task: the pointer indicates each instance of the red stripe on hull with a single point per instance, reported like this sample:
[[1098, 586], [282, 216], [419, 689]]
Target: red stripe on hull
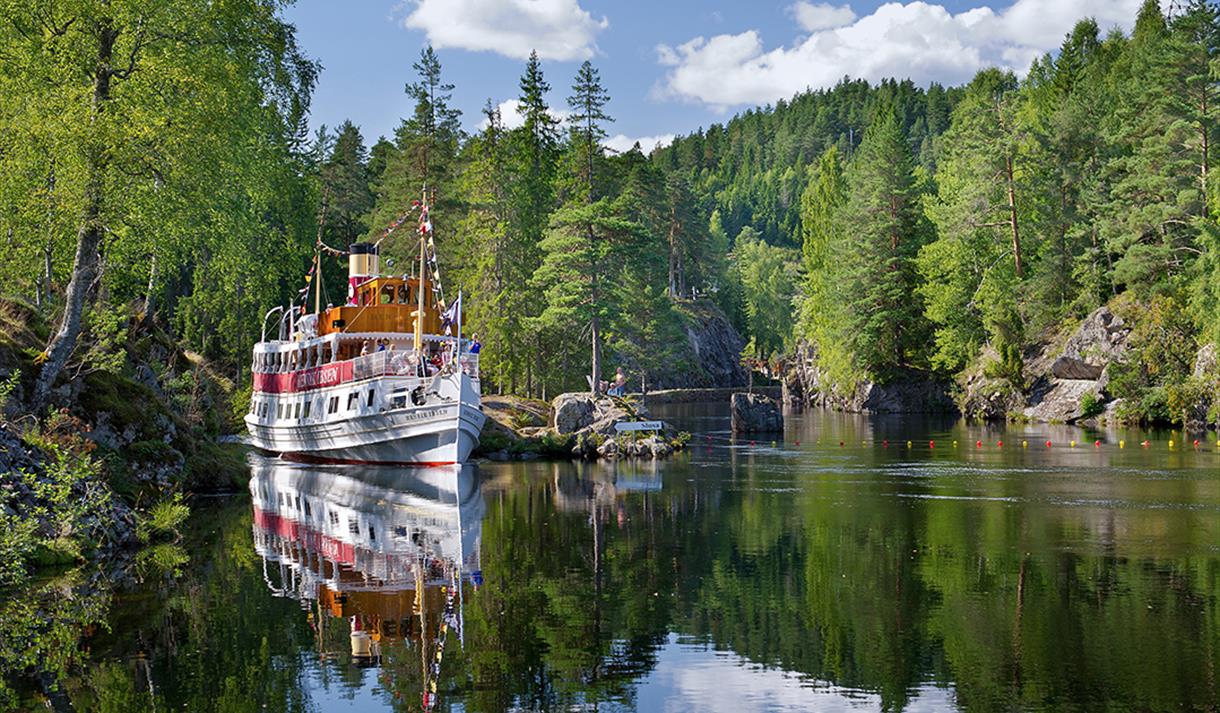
[[318, 377], [323, 460]]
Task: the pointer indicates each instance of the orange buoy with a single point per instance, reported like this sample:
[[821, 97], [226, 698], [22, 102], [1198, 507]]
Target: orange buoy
[[999, 444], [1048, 444], [1097, 444]]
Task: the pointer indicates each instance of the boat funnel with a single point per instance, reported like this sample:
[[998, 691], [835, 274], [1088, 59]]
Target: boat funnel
[[363, 260], [363, 264]]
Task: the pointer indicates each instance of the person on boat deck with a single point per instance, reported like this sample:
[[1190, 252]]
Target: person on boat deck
[[364, 348], [620, 383], [381, 345], [475, 346]]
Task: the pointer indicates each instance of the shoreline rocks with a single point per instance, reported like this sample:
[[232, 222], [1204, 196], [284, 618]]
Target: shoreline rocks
[[913, 392], [755, 413]]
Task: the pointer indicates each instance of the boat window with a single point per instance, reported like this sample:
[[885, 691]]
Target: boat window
[[334, 518], [297, 410], [400, 531], [370, 401], [352, 399], [334, 405], [352, 526], [404, 295], [372, 534], [308, 404]]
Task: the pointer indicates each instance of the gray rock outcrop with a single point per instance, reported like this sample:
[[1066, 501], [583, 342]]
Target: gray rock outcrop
[[572, 412], [1062, 379], [755, 413], [912, 392]]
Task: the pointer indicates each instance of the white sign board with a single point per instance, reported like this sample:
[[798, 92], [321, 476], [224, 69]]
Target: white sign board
[[624, 426]]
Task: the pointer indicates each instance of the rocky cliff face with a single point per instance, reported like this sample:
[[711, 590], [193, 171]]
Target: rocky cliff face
[[806, 385], [1067, 379], [711, 352]]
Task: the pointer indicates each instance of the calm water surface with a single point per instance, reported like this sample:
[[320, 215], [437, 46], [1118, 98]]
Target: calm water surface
[[739, 576]]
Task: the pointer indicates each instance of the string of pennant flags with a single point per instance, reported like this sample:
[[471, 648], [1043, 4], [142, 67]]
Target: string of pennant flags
[[430, 259]]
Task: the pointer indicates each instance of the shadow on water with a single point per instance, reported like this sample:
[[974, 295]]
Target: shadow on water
[[741, 575]]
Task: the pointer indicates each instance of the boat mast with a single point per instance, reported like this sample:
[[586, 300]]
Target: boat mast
[[317, 278], [419, 313]]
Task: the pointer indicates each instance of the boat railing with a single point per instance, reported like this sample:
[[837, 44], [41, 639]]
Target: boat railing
[[391, 363]]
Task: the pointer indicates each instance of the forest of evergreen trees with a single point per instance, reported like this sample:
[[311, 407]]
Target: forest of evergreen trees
[[898, 230]]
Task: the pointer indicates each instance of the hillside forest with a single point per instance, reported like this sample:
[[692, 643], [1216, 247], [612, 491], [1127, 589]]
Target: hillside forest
[[157, 165]]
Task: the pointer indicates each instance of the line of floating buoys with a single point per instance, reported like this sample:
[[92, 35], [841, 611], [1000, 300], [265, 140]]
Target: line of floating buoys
[[1196, 444]]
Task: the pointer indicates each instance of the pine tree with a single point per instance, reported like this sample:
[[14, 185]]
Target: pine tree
[[885, 323], [533, 152], [582, 241], [583, 265], [425, 155]]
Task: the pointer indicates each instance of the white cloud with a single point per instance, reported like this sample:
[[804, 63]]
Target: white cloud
[[821, 16], [694, 677], [557, 29], [510, 116], [621, 143], [916, 40]]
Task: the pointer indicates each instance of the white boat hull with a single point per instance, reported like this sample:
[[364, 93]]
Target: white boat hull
[[436, 433]]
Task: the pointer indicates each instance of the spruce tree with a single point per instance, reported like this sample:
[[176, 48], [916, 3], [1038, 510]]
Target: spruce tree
[[345, 185]]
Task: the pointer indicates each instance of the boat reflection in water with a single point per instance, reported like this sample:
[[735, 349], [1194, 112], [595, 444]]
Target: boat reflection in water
[[384, 549]]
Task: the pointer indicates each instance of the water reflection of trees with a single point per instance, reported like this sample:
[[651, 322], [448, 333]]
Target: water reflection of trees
[[874, 579], [871, 592]]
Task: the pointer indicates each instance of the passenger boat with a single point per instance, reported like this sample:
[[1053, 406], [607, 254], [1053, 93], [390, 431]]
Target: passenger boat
[[374, 381]]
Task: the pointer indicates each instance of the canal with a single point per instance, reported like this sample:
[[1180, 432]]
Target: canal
[[853, 564]]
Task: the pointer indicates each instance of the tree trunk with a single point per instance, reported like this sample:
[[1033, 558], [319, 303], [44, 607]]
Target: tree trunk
[[149, 302], [89, 235], [597, 356], [1012, 219]]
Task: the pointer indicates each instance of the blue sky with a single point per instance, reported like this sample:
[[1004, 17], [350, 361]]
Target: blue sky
[[670, 66]]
